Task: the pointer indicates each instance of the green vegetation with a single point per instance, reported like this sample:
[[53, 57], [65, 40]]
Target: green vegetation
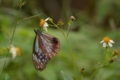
[[84, 37]]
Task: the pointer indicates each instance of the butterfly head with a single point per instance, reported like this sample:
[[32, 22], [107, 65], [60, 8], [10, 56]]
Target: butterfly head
[[38, 32]]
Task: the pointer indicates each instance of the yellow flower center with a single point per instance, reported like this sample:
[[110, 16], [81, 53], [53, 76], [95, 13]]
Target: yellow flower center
[[42, 21], [106, 39], [18, 51]]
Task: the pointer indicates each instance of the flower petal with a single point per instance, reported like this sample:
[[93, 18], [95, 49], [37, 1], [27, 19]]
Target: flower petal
[[14, 54], [13, 51], [102, 41], [111, 41], [110, 44], [45, 28], [47, 19], [45, 24], [104, 44]]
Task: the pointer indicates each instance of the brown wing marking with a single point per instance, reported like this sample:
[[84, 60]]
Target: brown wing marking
[[52, 45]]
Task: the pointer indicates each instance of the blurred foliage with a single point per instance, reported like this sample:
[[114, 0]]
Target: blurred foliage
[[94, 20], [65, 76], [7, 77]]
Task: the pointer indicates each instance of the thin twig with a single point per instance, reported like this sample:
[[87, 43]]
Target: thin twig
[[28, 18]]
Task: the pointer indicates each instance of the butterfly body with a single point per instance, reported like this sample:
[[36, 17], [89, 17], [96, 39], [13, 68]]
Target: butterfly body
[[45, 47]]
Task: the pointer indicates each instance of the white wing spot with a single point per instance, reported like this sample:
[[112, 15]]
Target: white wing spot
[[45, 61], [39, 60], [45, 56], [40, 56], [42, 59], [35, 57], [38, 67]]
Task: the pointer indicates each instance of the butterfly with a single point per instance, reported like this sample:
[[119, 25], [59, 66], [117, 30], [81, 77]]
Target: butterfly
[[44, 48]]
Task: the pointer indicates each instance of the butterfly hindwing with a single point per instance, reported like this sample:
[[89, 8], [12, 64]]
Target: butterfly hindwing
[[44, 48], [52, 45]]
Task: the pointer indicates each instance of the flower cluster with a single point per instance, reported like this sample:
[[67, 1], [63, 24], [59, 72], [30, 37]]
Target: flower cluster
[[114, 56], [15, 51], [43, 23], [107, 42]]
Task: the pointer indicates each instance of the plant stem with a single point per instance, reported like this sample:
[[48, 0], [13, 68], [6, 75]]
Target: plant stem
[[4, 65], [29, 18], [68, 30], [10, 41], [102, 64], [68, 46], [95, 72], [81, 77], [105, 54], [15, 26]]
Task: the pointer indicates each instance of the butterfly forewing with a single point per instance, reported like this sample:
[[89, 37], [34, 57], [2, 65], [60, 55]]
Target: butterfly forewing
[[39, 59], [44, 48]]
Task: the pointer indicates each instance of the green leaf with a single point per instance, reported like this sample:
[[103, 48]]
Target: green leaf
[[66, 76], [7, 77]]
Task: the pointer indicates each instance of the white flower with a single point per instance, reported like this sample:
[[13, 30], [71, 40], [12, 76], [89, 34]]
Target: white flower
[[14, 51], [107, 42], [44, 24]]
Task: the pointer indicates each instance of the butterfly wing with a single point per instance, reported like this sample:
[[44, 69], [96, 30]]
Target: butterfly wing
[[51, 44], [39, 59], [45, 47]]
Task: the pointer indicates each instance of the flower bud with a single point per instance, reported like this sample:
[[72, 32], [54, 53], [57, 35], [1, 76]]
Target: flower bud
[[72, 18], [115, 53], [60, 22], [51, 20], [113, 59], [82, 70]]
